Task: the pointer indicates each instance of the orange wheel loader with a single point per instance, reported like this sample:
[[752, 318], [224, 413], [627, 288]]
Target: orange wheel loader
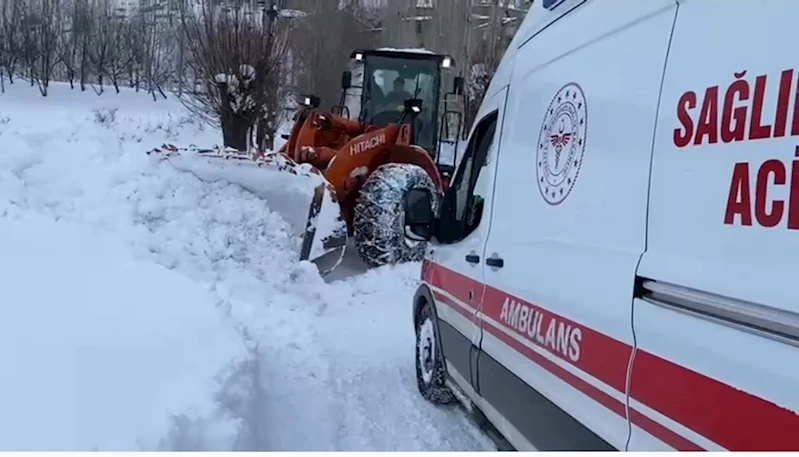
[[341, 177]]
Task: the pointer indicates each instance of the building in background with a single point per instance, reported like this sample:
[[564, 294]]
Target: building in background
[[461, 28]]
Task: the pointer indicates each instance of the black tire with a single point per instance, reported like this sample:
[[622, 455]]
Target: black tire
[[430, 369], [378, 222]]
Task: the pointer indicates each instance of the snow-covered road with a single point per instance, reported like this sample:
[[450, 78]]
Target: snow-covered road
[[145, 309], [350, 376]]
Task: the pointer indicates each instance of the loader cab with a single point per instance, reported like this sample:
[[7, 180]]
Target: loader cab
[[389, 77]]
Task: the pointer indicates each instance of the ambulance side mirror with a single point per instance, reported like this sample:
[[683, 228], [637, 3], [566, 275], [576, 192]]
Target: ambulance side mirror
[[419, 217]]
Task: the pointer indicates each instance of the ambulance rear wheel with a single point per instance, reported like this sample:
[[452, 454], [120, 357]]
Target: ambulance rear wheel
[[378, 222], [430, 370]]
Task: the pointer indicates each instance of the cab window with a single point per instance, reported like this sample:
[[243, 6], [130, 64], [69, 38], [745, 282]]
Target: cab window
[[461, 209], [391, 81]]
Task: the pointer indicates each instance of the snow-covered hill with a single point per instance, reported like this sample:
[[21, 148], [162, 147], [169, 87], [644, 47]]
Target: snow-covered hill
[[145, 309]]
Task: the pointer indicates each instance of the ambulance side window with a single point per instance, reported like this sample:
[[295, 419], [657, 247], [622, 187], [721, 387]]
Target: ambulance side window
[[461, 209]]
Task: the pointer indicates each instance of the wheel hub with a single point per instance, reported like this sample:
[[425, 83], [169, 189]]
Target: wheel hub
[[427, 350], [401, 229]]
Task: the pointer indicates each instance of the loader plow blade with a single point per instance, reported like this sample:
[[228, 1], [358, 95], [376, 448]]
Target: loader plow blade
[[297, 192]]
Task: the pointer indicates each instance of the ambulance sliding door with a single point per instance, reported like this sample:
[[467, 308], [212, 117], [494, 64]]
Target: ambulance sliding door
[[717, 315]]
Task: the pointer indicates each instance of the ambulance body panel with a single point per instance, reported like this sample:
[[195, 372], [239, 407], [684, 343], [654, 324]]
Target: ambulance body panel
[[627, 283]]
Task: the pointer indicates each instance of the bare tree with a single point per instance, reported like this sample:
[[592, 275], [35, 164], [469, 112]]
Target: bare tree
[[162, 52], [101, 42], [237, 55], [134, 35], [119, 53], [67, 42], [3, 51], [11, 23], [83, 29], [41, 30]]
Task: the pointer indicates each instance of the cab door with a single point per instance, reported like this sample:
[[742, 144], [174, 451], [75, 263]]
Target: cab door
[[454, 268]]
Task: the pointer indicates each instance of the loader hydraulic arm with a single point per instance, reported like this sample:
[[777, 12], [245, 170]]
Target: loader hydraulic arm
[[318, 137]]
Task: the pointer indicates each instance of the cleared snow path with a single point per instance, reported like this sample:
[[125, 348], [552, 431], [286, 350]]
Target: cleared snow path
[[285, 360], [350, 381]]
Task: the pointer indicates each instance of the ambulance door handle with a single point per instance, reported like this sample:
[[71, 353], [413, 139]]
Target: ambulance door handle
[[473, 258], [495, 261]]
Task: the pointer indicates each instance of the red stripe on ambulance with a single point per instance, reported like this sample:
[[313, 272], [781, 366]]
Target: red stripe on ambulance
[[721, 413]]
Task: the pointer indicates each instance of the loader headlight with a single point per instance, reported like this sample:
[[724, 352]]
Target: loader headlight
[[413, 105], [310, 101], [447, 62], [358, 57]]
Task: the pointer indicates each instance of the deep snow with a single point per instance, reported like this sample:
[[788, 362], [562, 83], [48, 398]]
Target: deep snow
[[96, 345], [143, 308]]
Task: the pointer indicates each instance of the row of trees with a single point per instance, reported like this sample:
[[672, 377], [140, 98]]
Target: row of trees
[[232, 62], [83, 42]]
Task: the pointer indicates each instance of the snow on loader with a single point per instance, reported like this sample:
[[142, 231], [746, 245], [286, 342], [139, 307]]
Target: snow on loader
[[338, 178]]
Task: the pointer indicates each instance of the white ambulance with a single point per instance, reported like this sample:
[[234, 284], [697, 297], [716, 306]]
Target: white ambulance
[[616, 264]]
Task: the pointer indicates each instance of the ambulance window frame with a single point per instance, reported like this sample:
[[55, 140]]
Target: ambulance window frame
[[455, 229]]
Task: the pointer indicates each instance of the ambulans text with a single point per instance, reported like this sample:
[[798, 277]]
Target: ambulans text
[[559, 337]]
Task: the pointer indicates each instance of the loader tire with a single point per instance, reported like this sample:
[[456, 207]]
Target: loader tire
[[378, 222]]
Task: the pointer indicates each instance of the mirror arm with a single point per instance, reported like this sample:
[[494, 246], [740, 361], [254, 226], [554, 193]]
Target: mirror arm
[[436, 230]]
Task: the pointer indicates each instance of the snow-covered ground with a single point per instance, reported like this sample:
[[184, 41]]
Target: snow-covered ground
[[143, 308]]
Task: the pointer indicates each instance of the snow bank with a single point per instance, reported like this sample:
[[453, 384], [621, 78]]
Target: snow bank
[[97, 173], [117, 351], [102, 351]]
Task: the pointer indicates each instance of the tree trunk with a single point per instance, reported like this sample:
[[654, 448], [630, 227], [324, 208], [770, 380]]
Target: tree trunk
[[235, 130], [264, 139]]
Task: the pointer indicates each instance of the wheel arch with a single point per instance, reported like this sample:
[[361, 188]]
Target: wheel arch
[[423, 296]]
